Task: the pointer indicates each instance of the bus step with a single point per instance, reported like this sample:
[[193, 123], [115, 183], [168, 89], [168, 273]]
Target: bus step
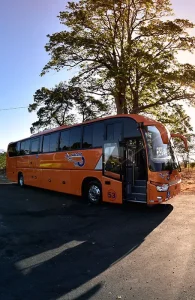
[[139, 189], [140, 182], [136, 201], [139, 196]]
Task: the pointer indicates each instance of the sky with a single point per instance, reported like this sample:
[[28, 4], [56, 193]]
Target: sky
[[24, 25]]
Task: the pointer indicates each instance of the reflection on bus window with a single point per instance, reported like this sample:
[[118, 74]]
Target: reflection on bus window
[[161, 156], [112, 158]]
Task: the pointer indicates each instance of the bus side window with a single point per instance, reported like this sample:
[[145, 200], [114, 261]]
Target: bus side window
[[46, 139], [87, 136], [27, 147], [114, 132], [54, 142], [64, 140], [18, 148], [118, 131], [41, 144], [75, 138], [34, 146], [98, 134], [22, 148]]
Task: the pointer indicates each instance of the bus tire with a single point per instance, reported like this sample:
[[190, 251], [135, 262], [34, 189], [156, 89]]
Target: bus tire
[[94, 192], [21, 180]]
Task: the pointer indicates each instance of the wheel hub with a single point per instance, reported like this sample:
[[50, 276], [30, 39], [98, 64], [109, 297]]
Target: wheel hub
[[21, 180], [94, 193]]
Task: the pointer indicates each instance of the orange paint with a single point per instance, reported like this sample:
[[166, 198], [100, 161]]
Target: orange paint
[[67, 171]]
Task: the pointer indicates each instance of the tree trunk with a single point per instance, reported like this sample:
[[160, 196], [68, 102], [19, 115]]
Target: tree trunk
[[118, 107], [121, 105], [135, 103], [120, 98]]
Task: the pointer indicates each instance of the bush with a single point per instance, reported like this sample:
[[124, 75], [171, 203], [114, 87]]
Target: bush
[[2, 161]]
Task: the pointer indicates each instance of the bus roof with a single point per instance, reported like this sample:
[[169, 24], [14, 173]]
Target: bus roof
[[137, 118]]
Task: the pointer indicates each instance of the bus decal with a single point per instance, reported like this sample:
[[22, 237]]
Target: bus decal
[[112, 194], [77, 158]]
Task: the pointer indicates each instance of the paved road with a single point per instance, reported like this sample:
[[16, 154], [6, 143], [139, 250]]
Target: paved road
[[54, 246]]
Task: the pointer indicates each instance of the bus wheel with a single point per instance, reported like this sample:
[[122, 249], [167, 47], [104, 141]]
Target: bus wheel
[[21, 180], [94, 192]]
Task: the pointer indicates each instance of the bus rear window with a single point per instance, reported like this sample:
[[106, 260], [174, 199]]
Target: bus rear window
[[12, 150]]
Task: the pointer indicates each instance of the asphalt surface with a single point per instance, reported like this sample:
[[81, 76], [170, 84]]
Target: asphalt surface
[[54, 246]]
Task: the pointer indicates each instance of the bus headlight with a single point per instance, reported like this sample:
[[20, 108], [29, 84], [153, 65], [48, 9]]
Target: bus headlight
[[162, 188]]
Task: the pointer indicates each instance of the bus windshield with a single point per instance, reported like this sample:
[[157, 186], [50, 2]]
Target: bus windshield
[[161, 156]]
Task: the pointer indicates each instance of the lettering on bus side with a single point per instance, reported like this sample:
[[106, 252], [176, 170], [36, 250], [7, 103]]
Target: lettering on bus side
[[76, 158]]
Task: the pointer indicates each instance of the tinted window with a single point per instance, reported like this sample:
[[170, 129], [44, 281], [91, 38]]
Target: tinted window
[[131, 128], [113, 158], [18, 148], [46, 143], [87, 136], [114, 132], [98, 134], [75, 138], [54, 142], [27, 147], [12, 149], [40, 143], [35, 146], [64, 140], [118, 132], [22, 147], [110, 132]]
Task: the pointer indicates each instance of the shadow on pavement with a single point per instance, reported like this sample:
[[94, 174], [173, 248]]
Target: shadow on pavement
[[54, 245]]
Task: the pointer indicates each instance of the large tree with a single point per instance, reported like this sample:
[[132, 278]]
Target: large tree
[[173, 116], [184, 156], [126, 50], [64, 104]]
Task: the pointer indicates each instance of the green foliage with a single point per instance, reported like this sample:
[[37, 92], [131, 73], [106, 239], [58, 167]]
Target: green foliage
[[2, 160], [173, 116], [64, 104], [126, 50], [180, 149]]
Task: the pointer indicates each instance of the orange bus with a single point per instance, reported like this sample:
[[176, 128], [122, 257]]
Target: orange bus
[[114, 159]]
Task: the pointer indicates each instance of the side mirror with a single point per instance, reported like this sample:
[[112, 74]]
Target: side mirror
[[183, 138]]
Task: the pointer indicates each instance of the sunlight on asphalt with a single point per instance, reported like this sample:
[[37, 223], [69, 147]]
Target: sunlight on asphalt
[[32, 262]]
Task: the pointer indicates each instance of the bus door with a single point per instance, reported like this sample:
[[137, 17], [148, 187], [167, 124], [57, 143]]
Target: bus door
[[129, 167], [134, 168], [112, 173]]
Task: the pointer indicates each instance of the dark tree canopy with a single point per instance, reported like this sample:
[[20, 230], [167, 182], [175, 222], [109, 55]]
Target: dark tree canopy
[[64, 104], [126, 50]]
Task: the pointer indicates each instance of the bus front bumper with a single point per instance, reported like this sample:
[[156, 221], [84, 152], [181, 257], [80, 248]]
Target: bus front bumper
[[157, 197]]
